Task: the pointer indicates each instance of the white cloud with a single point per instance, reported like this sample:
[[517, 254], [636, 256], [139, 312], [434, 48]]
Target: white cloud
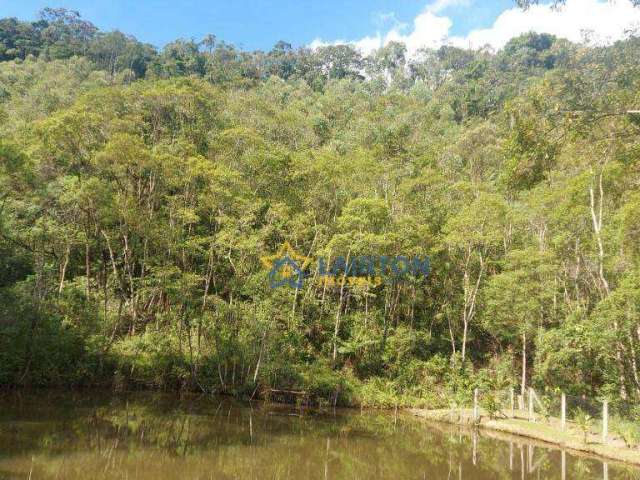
[[381, 19], [439, 5], [365, 45], [607, 21], [429, 30]]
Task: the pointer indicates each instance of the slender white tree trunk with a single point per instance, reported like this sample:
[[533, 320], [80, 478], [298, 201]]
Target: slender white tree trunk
[[523, 384]]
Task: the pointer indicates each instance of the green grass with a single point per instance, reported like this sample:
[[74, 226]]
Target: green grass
[[572, 438]]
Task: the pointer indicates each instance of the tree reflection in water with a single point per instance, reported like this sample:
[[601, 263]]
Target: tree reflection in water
[[157, 436]]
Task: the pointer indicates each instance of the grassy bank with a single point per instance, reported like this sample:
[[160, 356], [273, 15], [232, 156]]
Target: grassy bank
[[572, 438]]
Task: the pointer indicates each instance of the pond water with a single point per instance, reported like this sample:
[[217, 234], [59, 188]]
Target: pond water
[[48, 435]]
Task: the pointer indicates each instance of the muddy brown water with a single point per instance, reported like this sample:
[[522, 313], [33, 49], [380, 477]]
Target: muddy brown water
[[148, 436]]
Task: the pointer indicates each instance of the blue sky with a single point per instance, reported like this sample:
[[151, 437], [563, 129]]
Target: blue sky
[[259, 24], [256, 23]]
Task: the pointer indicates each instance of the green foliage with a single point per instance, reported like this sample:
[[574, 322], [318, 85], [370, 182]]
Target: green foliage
[[322, 382], [379, 393], [152, 360], [141, 190], [628, 430], [492, 405], [584, 421]]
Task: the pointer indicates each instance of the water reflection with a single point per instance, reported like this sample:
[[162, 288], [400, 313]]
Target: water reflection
[[151, 436]]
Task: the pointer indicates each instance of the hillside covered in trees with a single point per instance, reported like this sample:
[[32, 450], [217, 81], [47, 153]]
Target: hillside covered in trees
[[140, 189]]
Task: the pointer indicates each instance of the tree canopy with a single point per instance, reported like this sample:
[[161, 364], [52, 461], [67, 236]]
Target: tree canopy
[[140, 192]]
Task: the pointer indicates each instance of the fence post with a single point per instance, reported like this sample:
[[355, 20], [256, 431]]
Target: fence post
[[563, 413], [475, 405], [531, 417], [513, 405], [475, 447], [511, 456], [605, 421]]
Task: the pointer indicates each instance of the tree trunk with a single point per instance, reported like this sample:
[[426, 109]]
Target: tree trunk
[[596, 218], [87, 267], [336, 328], [470, 295], [255, 373], [63, 268], [523, 384]]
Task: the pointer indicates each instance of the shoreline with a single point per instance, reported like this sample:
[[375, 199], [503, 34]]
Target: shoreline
[[546, 433], [569, 439]]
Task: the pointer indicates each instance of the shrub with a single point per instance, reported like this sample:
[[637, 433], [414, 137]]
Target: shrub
[[491, 404], [628, 430], [584, 422], [322, 382]]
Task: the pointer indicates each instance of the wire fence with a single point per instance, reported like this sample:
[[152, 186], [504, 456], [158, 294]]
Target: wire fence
[[597, 420]]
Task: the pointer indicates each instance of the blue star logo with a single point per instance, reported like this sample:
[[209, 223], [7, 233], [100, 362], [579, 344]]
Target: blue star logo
[[286, 271], [286, 267]]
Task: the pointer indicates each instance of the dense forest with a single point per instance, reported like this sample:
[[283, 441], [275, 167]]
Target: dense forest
[[140, 189]]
